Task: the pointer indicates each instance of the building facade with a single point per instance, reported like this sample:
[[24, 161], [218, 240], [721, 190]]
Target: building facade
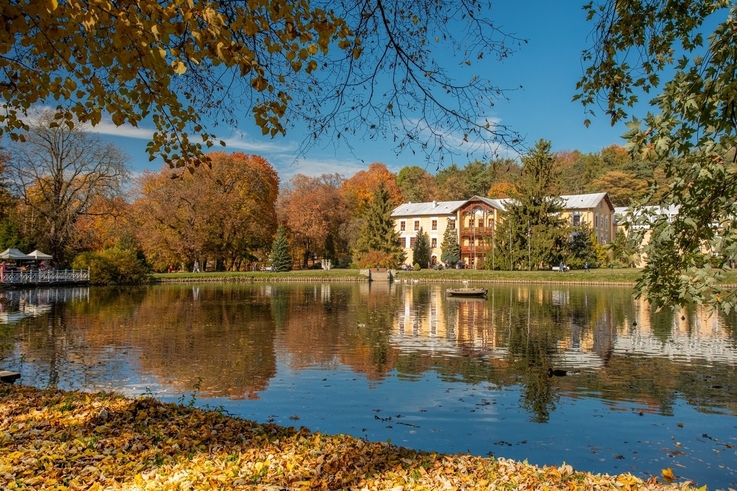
[[432, 217], [595, 210], [475, 222]]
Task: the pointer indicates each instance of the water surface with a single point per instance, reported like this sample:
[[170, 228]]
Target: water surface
[[643, 391]]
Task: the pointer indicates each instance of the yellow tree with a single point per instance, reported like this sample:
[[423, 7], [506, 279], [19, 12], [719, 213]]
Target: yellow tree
[[104, 225], [182, 64]]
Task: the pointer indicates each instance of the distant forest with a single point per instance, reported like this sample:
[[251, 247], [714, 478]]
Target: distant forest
[[613, 170]]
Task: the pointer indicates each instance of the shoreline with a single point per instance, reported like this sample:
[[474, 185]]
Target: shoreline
[[51, 438], [597, 277]]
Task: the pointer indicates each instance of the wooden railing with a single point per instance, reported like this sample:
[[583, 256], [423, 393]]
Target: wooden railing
[[36, 276]]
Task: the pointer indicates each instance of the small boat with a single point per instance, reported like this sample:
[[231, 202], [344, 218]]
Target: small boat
[[466, 292]]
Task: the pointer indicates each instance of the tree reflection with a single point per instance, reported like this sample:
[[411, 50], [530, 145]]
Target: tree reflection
[[230, 340]]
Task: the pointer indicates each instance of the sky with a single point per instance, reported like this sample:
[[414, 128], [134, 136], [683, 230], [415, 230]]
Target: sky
[[547, 68]]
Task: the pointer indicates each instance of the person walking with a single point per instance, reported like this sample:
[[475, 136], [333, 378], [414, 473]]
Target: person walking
[[196, 268]]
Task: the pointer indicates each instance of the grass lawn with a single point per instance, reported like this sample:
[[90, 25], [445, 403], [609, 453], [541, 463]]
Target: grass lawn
[[628, 276]]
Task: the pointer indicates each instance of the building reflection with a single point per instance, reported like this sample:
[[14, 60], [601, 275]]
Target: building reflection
[[594, 328], [682, 334]]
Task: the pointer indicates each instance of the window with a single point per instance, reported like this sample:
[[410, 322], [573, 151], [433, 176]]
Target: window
[[402, 226], [491, 223], [596, 220], [434, 224], [417, 225], [576, 220], [434, 243], [412, 242], [452, 224], [471, 222]]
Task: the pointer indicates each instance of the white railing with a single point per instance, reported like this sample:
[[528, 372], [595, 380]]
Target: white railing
[[35, 276]]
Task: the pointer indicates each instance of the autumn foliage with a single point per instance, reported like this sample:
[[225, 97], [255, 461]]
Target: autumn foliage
[[225, 212], [54, 439], [359, 190]]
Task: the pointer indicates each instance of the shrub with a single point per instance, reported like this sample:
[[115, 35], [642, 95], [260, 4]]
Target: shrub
[[377, 259], [416, 267], [113, 267]]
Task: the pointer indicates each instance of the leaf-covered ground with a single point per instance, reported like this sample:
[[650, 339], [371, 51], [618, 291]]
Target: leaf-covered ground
[[51, 439]]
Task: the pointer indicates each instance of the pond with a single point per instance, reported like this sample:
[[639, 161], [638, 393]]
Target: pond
[[632, 390]]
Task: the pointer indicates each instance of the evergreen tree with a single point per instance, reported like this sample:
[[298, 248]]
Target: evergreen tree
[[508, 245], [451, 248], [532, 234], [421, 249], [281, 260], [377, 233], [582, 249]]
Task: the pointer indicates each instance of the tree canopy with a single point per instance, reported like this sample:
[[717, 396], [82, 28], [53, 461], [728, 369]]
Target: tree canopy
[[692, 132], [58, 173], [183, 64]]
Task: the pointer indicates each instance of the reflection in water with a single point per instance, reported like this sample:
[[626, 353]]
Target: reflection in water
[[406, 362]]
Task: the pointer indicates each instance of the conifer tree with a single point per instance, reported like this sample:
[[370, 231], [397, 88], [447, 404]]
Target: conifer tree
[[377, 233], [582, 248], [421, 249], [281, 260], [451, 248], [532, 234]]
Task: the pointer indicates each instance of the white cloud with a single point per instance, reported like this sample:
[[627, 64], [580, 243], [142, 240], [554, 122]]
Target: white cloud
[[313, 167]]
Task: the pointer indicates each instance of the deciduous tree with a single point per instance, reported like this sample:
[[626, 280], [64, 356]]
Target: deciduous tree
[[225, 212], [360, 190], [312, 209], [624, 188], [692, 132], [58, 172], [417, 185], [180, 64]]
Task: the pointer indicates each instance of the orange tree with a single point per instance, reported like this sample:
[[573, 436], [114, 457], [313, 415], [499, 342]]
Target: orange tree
[[312, 209], [225, 212]]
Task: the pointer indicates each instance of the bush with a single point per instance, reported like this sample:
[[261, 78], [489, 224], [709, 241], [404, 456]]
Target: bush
[[416, 267], [377, 259], [113, 267]]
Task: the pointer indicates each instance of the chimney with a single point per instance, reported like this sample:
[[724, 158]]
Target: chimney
[[434, 204]]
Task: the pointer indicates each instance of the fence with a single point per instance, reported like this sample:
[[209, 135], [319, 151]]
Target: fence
[[41, 276]]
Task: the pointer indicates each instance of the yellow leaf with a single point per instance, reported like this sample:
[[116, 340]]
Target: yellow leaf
[[312, 49], [668, 476], [259, 83], [118, 118], [179, 67]]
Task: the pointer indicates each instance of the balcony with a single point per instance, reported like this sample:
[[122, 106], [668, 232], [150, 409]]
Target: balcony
[[478, 231]]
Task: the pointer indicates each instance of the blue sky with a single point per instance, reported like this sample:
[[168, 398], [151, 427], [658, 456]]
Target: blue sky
[[547, 67]]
